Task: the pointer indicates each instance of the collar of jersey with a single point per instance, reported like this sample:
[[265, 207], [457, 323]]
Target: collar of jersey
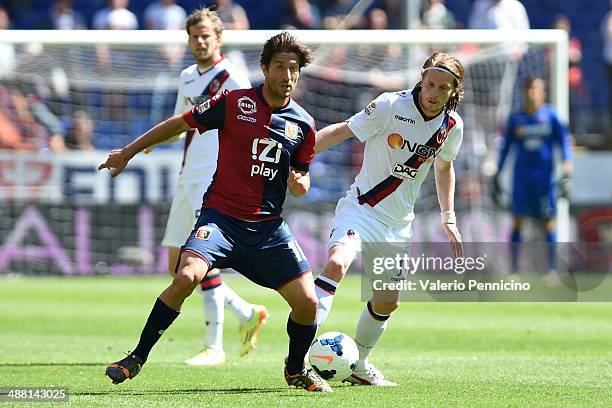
[[211, 67], [259, 91]]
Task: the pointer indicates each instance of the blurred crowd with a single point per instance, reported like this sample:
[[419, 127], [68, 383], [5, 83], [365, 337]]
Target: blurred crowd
[[27, 122]]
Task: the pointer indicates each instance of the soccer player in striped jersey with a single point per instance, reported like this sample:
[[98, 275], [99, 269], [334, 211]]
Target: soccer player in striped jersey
[[211, 74], [405, 133], [534, 133], [266, 145]]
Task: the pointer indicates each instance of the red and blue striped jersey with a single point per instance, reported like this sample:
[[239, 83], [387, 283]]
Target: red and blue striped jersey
[[257, 146]]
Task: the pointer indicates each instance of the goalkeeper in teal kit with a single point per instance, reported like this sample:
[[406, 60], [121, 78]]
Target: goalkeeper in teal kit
[[535, 133]]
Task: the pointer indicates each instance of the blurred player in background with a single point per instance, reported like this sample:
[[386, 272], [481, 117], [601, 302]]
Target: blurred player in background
[[266, 145], [211, 74], [378, 208], [535, 132]]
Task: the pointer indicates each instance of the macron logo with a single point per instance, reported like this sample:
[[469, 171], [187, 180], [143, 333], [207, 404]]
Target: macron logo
[[403, 119]]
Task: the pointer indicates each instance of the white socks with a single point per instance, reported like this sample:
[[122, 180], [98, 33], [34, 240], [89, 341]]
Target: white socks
[[213, 315], [241, 308], [370, 328], [217, 295], [325, 288]]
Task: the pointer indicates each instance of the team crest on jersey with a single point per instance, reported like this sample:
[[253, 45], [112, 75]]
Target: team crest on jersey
[[203, 107], [203, 233], [247, 105], [214, 86], [441, 136], [292, 130]]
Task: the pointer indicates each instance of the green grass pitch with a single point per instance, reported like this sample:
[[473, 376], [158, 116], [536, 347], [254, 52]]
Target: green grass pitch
[[63, 331]]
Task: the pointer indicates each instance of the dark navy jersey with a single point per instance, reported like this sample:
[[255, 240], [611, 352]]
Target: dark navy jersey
[[535, 137], [257, 146]]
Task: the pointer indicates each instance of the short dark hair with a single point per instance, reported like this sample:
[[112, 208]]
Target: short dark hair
[[285, 42], [528, 81]]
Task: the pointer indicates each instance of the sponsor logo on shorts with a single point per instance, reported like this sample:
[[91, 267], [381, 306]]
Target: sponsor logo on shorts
[[203, 233], [405, 172]]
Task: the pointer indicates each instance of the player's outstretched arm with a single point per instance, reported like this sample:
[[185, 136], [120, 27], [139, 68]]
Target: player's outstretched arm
[[171, 140], [332, 135], [119, 158], [445, 187], [299, 183]]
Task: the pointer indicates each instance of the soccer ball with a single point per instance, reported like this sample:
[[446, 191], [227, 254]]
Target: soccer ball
[[333, 355]]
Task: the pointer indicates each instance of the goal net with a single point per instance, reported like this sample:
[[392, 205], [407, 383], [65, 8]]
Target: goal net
[[61, 216]]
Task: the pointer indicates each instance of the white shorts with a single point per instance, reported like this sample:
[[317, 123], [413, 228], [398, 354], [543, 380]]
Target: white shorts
[[184, 213], [355, 227]]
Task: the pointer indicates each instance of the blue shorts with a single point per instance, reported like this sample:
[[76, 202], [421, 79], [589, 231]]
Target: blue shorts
[[266, 252], [534, 196]]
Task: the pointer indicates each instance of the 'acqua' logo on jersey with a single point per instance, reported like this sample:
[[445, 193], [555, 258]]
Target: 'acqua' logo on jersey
[[247, 105]]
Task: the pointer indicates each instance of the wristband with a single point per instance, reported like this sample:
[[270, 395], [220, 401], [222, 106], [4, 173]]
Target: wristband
[[448, 217]]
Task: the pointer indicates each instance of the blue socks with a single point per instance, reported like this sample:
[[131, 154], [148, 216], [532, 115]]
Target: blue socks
[[300, 339], [516, 240], [159, 320]]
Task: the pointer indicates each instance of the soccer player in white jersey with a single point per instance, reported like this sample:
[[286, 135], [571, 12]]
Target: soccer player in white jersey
[[211, 74], [404, 134]]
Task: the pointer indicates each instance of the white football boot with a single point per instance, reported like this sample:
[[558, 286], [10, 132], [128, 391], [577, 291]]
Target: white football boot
[[369, 375], [207, 357]]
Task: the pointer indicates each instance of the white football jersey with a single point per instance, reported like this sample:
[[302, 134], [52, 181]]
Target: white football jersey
[[400, 147], [195, 87]]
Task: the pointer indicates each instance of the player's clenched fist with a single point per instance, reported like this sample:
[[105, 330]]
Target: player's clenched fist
[[117, 159]]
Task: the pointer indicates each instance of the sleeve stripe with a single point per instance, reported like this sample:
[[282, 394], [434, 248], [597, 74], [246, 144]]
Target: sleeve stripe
[[188, 117]]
